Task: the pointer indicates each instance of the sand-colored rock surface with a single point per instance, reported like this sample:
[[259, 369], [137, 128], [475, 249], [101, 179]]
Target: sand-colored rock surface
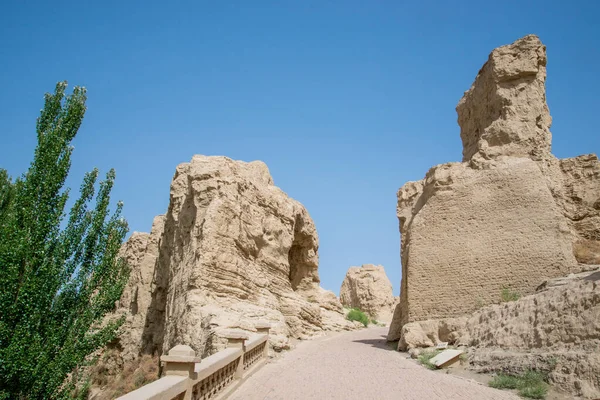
[[509, 214], [505, 111], [232, 250], [368, 288], [141, 254], [473, 232], [579, 195], [556, 330]]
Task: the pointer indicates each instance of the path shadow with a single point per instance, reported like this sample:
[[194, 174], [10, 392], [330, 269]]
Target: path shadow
[[382, 343], [593, 277]]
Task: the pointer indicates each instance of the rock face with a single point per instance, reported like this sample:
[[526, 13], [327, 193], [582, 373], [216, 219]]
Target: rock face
[[369, 289], [471, 232], [141, 253], [578, 180], [232, 250], [556, 330], [505, 111], [508, 215]]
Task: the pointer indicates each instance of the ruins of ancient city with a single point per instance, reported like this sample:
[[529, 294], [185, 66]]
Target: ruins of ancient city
[[499, 255], [493, 294]]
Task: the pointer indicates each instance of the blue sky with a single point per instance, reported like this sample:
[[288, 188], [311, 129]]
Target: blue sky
[[344, 100]]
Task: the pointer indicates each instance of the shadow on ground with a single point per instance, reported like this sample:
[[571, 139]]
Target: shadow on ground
[[379, 343]]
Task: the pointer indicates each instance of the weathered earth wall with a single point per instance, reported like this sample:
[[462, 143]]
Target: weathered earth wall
[[477, 232], [508, 215], [556, 330]]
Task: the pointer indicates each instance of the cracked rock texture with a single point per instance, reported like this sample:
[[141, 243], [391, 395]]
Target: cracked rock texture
[[368, 288], [508, 215], [233, 249]]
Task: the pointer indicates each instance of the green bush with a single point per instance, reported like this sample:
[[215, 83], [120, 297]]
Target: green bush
[[356, 314], [60, 272], [530, 384], [502, 381], [425, 358]]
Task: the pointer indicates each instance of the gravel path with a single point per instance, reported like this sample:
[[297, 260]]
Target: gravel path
[[356, 365]]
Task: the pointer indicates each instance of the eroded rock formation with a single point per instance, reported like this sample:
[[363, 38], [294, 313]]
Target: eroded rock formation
[[141, 253], [556, 330], [508, 215], [368, 288], [232, 250], [505, 111]]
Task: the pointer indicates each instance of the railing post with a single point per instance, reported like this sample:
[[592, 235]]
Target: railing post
[[181, 360], [264, 328], [236, 338]]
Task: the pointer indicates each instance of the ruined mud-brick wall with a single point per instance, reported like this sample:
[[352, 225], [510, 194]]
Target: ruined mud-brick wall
[[232, 250], [479, 231], [506, 217]]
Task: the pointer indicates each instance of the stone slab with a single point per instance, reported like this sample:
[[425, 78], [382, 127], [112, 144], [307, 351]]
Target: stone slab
[[445, 357]]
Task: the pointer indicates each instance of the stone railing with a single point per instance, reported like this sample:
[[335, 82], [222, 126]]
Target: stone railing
[[215, 377]]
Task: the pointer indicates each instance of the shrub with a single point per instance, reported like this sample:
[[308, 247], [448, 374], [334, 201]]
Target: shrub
[[502, 381], [425, 358], [508, 295], [530, 384], [356, 314]]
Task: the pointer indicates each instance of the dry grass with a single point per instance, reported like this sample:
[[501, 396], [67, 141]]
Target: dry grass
[[117, 383], [587, 251]]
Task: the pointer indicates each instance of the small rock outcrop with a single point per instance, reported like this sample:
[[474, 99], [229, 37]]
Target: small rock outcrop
[[369, 289], [509, 214], [232, 250]]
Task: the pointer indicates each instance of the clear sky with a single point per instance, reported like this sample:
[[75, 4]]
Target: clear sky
[[344, 100]]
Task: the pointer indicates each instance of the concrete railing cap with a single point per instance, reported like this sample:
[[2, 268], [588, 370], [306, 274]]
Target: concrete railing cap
[[182, 350], [236, 334], [181, 353]]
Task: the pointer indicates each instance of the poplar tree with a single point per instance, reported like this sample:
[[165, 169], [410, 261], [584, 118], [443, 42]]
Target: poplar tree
[[60, 273]]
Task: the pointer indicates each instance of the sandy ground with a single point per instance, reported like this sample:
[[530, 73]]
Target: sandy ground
[[357, 365]]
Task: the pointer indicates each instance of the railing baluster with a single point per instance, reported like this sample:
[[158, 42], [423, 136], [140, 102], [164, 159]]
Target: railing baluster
[[186, 379]]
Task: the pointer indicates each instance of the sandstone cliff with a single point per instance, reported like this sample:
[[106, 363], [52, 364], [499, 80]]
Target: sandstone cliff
[[369, 289], [508, 215], [232, 250]]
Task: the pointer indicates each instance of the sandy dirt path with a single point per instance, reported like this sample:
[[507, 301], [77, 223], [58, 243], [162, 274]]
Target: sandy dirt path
[[356, 365]]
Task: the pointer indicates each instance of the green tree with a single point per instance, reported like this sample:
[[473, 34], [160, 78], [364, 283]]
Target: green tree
[[59, 276]]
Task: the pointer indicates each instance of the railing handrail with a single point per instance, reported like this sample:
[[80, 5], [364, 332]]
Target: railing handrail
[[256, 340], [167, 387], [215, 362], [184, 370]]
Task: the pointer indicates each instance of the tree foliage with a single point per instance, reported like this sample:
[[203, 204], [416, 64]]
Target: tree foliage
[[60, 274]]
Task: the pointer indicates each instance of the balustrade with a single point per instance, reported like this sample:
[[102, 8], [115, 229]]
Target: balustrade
[[215, 377]]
